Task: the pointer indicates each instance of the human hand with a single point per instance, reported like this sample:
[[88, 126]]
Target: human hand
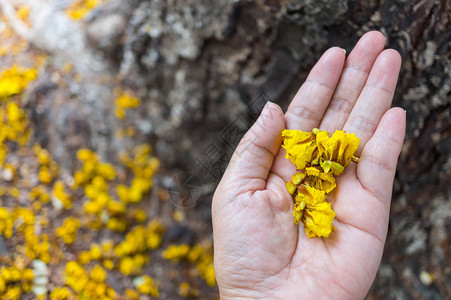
[[259, 251]]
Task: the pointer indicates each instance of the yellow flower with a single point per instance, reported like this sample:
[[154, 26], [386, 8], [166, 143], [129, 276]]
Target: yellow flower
[[315, 213], [126, 265], [187, 291], [39, 193], [335, 152], [115, 208], [140, 216], [122, 193], [98, 274], [10, 274], [176, 252], [130, 294], [2, 285], [202, 255], [116, 224], [13, 293], [109, 264], [92, 207], [43, 155], [84, 257], [106, 171], [15, 79], [195, 253], [320, 157], [76, 276], [95, 251], [125, 101], [44, 175], [146, 285], [68, 231], [120, 113], [319, 180], [60, 293], [300, 147], [296, 179], [86, 155], [99, 183], [81, 7], [6, 223], [207, 272], [60, 197]]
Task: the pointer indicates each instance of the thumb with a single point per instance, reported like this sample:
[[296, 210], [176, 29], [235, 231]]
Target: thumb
[[253, 158]]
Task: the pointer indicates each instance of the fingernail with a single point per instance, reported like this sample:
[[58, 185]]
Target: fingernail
[[264, 108], [344, 50]]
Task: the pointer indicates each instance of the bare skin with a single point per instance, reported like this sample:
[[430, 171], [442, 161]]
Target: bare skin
[[259, 252]]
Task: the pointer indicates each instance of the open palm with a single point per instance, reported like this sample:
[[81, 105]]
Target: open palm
[[259, 251]]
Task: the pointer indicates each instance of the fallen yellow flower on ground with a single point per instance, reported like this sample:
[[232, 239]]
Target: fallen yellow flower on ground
[[15, 79]]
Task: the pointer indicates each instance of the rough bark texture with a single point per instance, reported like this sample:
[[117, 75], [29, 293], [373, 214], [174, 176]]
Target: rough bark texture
[[198, 64]]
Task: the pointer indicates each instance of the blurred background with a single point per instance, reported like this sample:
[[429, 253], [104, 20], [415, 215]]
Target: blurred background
[[161, 92]]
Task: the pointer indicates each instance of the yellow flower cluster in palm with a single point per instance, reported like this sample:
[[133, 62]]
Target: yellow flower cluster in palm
[[124, 102], [81, 7], [319, 157], [14, 281], [201, 255], [88, 285], [68, 231], [15, 79], [13, 127], [48, 169]]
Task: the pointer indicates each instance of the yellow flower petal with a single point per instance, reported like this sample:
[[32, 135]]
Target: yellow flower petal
[[315, 213], [300, 146], [338, 149], [310, 195], [297, 178], [319, 180], [291, 188], [318, 220]]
